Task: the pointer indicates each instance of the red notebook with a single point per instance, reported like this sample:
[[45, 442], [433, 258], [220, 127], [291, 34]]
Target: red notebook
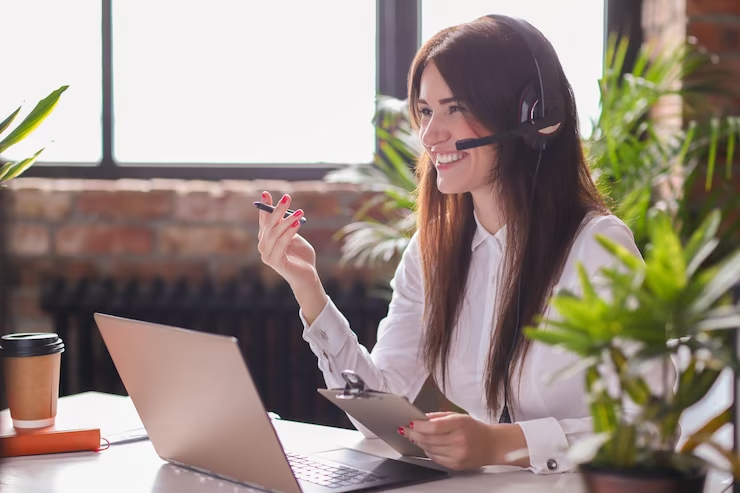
[[61, 437]]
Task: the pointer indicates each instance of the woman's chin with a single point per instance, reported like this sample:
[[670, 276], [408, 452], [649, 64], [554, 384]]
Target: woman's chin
[[446, 187]]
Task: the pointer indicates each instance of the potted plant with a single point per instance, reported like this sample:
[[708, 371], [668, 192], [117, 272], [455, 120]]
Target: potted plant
[[38, 114], [673, 305]]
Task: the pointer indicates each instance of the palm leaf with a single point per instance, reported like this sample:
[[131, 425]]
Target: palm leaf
[[33, 119]]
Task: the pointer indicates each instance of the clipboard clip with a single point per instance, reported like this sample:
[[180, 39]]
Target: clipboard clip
[[355, 387]]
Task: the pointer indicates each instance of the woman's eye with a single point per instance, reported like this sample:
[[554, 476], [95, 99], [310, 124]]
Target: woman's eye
[[456, 107], [425, 112]]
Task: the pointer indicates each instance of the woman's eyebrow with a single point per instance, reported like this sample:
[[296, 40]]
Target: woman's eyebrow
[[441, 101]]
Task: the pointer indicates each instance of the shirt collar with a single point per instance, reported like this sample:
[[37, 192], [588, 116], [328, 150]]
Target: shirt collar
[[482, 234]]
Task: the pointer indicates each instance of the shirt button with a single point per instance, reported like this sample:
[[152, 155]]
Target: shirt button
[[552, 464]]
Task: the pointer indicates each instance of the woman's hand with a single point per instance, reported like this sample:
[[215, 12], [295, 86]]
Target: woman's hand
[[460, 442], [288, 253], [291, 256]]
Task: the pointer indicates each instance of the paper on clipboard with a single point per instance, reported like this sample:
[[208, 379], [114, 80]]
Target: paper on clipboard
[[379, 412]]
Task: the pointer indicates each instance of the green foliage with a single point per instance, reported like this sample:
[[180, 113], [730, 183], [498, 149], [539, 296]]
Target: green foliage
[[672, 304], [385, 223], [43, 108]]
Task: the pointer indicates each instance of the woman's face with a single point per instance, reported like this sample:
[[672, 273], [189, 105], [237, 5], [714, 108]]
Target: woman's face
[[443, 122]]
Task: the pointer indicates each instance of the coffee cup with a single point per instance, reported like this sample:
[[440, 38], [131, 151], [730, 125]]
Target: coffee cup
[[31, 363]]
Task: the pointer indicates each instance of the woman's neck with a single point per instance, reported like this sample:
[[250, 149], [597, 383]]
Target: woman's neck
[[488, 210]]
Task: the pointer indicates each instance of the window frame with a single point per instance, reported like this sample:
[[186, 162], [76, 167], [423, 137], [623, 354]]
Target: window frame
[[398, 37]]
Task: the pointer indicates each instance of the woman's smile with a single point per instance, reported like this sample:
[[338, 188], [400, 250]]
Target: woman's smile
[[449, 160]]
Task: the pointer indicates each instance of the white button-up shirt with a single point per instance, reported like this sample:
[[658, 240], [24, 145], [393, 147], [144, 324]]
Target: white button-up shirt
[[552, 415]]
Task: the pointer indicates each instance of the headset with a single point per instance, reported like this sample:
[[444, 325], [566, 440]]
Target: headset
[[541, 108], [541, 115]]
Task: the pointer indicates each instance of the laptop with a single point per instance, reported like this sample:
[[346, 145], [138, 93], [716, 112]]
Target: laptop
[[201, 410]]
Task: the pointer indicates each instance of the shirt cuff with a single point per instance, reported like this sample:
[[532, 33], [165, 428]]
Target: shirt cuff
[[547, 446], [329, 332]]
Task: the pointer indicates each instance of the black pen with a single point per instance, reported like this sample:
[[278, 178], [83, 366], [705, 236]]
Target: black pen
[[268, 208]]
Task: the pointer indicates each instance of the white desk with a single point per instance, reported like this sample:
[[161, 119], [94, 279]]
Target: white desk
[[135, 467]]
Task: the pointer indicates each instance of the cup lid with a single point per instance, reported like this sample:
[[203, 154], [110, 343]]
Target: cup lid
[[31, 344]]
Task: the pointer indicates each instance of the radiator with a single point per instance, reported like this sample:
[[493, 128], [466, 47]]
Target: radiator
[[264, 320]]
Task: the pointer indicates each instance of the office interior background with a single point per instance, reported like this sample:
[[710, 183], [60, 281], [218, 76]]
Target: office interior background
[[179, 114]]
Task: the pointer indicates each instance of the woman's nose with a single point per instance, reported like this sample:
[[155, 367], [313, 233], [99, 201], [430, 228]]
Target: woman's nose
[[434, 133]]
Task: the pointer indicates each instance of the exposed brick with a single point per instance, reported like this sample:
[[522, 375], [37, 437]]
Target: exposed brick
[[76, 239], [41, 204], [29, 239], [125, 204], [223, 207], [322, 242], [206, 240], [315, 203], [704, 7], [714, 36]]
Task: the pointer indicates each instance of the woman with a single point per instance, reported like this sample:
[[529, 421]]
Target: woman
[[499, 228]]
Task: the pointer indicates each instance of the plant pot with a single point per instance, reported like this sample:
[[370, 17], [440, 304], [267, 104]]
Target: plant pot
[[602, 479]]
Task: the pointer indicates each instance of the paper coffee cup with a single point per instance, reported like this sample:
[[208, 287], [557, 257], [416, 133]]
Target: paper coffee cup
[[32, 362]]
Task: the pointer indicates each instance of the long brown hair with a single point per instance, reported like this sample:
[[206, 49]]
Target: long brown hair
[[487, 65]]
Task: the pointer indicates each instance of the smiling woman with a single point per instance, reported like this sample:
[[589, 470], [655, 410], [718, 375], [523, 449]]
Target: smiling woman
[[501, 223]]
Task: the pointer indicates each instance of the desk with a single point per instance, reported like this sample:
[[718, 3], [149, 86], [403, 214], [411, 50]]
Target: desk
[[136, 468]]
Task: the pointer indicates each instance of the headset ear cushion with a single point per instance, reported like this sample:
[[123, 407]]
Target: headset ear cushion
[[529, 109]]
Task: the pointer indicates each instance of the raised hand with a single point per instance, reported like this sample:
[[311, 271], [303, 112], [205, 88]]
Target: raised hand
[[282, 248]]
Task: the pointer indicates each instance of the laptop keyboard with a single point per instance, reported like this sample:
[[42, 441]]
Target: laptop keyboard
[[329, 476]]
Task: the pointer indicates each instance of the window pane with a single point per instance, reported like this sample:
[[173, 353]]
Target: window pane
[[574, 27], [231, 81], [47, 47]]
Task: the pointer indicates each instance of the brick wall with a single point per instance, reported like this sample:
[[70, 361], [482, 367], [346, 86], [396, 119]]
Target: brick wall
[[166, 228], [713, 26]]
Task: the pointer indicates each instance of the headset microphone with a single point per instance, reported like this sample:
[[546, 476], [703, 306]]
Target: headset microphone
[[542, 126]]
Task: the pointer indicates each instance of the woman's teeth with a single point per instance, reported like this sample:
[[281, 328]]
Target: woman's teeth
[[449, 158]]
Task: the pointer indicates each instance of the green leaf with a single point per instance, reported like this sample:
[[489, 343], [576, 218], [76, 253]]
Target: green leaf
[[589, 293], [666, 268], [705, 432], [33, 120], [624, 447], [16, 169], [730, 153], [5, 169], [574, 342], [702, 235], [9, 120], [714, 139], [629, 259], [726, 275]]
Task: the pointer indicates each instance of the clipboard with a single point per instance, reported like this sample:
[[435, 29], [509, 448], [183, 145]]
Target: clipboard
[[380, 412]]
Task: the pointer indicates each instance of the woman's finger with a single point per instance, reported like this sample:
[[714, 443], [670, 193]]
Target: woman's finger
[[266, 199], [281, 245], [269, 245], [426, 438]]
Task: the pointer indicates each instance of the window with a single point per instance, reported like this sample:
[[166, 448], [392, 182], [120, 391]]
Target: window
[[42, 53], [231, 81], [236, 89], [574, 27]]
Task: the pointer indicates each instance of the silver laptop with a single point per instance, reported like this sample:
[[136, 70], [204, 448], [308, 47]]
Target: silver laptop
[[201, 410]]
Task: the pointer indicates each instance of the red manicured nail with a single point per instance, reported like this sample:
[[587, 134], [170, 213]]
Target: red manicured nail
[[411, 425], [264, 195], [298, 213], [284, 200], [400, 431], [295, 224]]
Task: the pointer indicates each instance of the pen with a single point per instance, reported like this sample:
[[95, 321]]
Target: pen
[[268, 208]]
